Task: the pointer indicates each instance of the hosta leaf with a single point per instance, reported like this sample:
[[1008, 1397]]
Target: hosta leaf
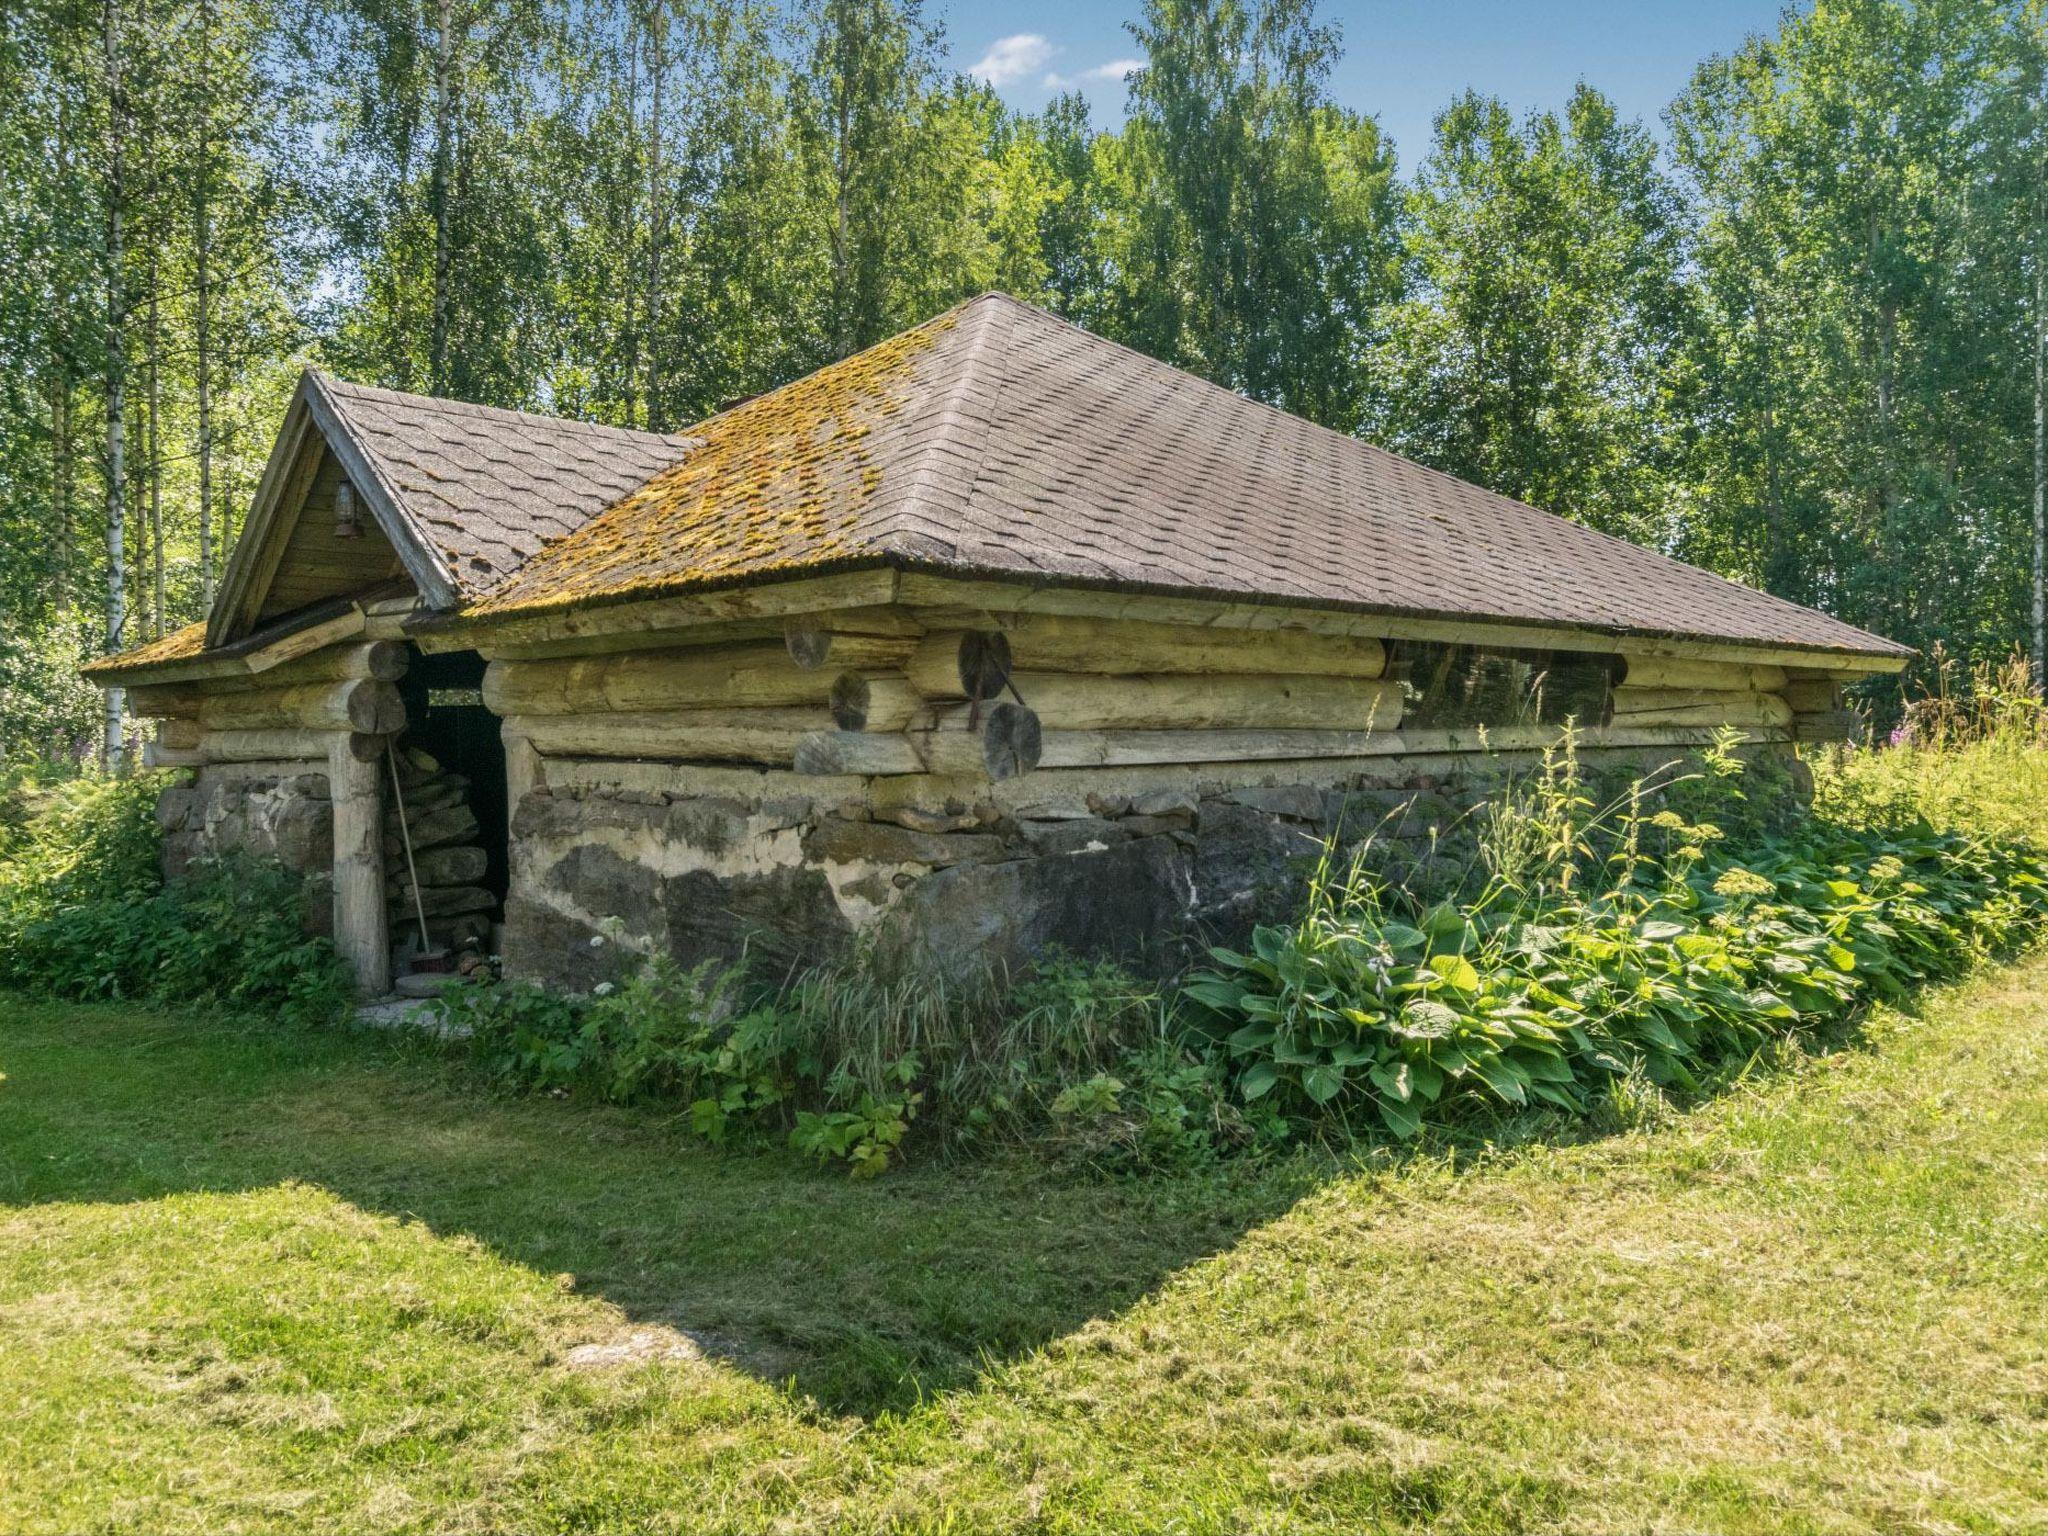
[[1455, 971], [1402, 1119], [1258, 1081], [1424, 1018], [1395, 1080], [1323, 1083], [1253, 1037]]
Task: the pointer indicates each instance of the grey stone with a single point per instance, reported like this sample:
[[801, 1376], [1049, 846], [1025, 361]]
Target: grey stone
[[783, 916], [932, 821], [1064, 837], [1297, 802], [879, 842], [713, 824], [1129, 902], [1164, 802], [1247, 869]]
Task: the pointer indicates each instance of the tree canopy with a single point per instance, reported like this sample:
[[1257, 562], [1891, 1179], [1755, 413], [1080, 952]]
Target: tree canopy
[[1794, 332]]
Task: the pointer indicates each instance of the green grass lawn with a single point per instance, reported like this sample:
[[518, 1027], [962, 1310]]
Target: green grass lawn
[[263, 1281]]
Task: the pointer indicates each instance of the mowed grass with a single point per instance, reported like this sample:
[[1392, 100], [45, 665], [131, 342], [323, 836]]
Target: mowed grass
[[258, 1281]]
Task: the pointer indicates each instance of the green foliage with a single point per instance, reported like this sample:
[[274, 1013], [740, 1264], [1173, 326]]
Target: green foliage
[[84, 913], [843, 1058], [1608, 945]]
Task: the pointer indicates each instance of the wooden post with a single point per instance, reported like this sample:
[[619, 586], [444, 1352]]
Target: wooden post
[[361, 928], [522, 772]]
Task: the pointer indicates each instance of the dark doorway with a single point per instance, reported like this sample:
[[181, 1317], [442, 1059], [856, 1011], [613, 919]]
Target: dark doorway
[[446, 719]]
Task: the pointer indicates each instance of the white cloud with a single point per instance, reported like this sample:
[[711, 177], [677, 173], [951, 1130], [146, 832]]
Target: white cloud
[[1010, 59], [1115, 71]]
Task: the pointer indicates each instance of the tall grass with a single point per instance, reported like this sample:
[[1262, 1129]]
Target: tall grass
[[1970, 754]]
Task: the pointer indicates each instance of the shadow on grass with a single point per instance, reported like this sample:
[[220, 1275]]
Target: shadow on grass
[[866, 1296]]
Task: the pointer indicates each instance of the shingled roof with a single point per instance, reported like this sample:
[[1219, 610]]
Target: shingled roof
[[995, 441], [1000, 441], [484, 488]]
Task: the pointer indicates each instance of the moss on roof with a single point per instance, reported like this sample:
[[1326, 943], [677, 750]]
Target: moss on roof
[[773, 484], [178, 645]]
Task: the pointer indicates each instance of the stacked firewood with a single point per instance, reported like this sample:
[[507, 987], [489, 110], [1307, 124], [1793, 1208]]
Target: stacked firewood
[[448, 857]]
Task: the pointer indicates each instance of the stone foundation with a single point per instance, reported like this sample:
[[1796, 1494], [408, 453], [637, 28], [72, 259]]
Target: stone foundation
[[612, 862], [277, 811]]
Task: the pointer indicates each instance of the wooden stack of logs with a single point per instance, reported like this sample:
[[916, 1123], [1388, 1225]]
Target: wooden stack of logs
[[447, 856], [897, 690], [293, 711], [846, 702]]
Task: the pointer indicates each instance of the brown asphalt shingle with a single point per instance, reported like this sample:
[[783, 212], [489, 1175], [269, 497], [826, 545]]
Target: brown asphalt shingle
[[998, 440], [486, 488]]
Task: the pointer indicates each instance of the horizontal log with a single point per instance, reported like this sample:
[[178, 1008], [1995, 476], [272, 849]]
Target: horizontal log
[[1065, 643], [281, 746], [1714, 676], [1827, 725], [1813, 697], [959, 752], [357, 704], [685, 735], [739, 677], [1077, 702], [185, 734], [156, 754], [381, 661], [1680, 706]]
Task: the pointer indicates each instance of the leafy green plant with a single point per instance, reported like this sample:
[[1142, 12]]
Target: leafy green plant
[[1609, 942]]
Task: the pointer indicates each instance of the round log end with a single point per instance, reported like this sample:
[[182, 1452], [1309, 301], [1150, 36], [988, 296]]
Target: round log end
[[1011, 741], [849, 702], [809, 642], [984, 663]]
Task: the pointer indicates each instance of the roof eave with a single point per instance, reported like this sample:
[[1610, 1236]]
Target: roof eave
[[1883, 656]]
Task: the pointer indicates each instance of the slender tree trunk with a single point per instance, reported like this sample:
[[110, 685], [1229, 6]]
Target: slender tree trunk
[[156, 456], [116, 390], [629, 224], [202, 256], [65, 475], [657, 209], [444, 88], [2041, 472]]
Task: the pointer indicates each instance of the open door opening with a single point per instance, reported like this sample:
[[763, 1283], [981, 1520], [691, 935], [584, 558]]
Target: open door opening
[[451, 836]]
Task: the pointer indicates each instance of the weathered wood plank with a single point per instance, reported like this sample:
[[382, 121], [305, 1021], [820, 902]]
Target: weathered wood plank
[[357, 704], [1057, 643], [1679, 706], [976, 603], [1710, 676], [775, 600], [1075, 701], [746, 676]]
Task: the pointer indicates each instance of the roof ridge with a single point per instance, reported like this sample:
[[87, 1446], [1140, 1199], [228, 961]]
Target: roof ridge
[[960, 430], [447, 406]]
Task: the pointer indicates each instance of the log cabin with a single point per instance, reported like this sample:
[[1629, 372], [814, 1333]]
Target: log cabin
[[993, 637]]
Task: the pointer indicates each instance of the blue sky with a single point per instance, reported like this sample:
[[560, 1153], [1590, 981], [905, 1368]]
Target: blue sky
[[1403, 59]]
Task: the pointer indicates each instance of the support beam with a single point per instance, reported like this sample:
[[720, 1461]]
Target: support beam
[[361, 926]]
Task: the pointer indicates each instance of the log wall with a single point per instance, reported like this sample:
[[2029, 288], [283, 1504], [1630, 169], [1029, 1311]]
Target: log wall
[[975, 784]]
